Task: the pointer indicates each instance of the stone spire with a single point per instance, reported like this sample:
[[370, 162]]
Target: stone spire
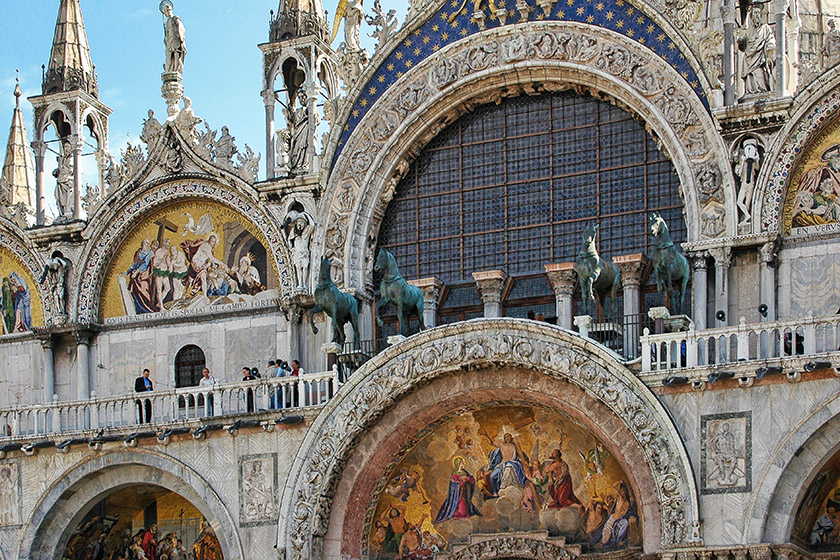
[[18, 176], [297, 18], [70, 65]]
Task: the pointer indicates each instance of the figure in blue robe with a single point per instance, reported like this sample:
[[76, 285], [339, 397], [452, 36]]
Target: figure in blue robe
[[458, 504], [498, 465]]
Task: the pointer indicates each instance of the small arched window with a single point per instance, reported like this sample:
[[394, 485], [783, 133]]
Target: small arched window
[[188, 365]]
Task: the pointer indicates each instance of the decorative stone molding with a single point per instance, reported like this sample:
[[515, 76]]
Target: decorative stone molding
[[109, 231], [552, 351], [524, 546], [504, 61]]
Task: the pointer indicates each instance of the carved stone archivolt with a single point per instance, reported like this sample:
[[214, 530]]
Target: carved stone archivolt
[[551, 351], [506, 61], [111, 228]]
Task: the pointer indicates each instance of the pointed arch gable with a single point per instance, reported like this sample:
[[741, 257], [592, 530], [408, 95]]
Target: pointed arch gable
[[51, 520], [390, 377], [507, 61], [112, 227]]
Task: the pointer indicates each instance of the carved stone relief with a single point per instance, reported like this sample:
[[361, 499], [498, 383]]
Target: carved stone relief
[[726, 449], [257, 489], [384, 379]]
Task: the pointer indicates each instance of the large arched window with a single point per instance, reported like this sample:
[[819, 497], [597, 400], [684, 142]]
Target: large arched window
[[188, 365], [513, 186]]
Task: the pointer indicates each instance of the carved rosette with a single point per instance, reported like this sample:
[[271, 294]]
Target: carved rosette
[[117, 226], [382, 381], [561, 52]]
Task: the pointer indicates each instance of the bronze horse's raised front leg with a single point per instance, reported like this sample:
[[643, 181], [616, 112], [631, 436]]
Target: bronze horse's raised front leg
[[312, 312], [380, 303]]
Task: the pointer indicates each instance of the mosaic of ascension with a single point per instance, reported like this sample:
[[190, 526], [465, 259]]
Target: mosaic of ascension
[[188, 256], [498, 469]]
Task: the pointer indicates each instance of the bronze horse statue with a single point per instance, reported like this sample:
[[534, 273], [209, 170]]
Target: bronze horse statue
[[597, 277], [396, 291], [669, 266], [339, 306]]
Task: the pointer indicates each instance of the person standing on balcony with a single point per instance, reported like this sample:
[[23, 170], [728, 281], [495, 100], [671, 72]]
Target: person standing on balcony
[[296, 372], [207, 381], [141, 385], [280, 370], [249, 374]]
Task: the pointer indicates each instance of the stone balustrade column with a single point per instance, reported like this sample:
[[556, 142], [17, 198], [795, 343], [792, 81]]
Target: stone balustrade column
[[40, 149], [562, 277], [727, 12], [83, 363], [632, 268], [490, 285], [270, 135], [699, 284], [723, 258], [431, 288], [49, 369], [767, 279]]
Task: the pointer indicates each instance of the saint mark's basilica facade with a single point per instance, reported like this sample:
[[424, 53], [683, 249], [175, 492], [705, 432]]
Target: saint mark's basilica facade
[[563, 277]]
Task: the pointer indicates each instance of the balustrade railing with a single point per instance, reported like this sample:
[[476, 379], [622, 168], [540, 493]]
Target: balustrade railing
[[758, 341], [179, 405]]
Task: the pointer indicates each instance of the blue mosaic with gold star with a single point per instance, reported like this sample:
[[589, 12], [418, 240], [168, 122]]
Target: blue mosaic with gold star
[[454, 22]]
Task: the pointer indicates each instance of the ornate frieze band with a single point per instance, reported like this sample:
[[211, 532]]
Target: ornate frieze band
[[554, 54], [98, 254], [482, 343]]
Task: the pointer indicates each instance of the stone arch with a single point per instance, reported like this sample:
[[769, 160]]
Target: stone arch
[[816, 108], [67, 499], [110, 228], [276, 67], [15, 240], [506, 61], [790, 469], [548, 351], [46, 118]]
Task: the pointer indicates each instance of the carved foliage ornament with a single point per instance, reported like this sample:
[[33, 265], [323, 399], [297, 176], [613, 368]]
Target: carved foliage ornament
[[601, 50], [393, 376], [513, 547]]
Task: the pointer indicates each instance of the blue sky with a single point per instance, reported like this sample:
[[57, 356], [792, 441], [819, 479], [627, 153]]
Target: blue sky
[[221, 75]]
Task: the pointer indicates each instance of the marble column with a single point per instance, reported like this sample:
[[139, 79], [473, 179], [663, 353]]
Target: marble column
[[727, 12], [77, 142], [490, 285], [40, 149], [723, 258], [699, 284], [779, 9], [294, 315], [632, 267], [49, 369], [767, 279], [270, 135], [562, 276], [431, 288], [83, 363]]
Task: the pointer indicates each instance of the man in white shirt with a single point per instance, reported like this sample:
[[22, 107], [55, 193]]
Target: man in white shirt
[[208, 381]]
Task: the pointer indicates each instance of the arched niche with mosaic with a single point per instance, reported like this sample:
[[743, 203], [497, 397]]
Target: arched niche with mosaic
[[21, 307], [817, 524], [187, 256], [812, 203], [499, 468]]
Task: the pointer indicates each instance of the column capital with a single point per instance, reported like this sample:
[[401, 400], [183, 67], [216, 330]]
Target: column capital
[[779, 7], [699, 259], [562, 277], [490, 284], [632, 267], [769, 252], [268, 97], [722, 256], [431, 288], [727, 12]]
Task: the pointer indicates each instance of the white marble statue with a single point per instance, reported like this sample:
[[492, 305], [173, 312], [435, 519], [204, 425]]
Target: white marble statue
[[55, 276], [64, 180], [174, 39], [746, 168], [759, 47], [300, 227]]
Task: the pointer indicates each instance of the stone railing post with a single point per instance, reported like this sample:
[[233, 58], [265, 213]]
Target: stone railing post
[[490, 285], [431, 288], [562, 277]]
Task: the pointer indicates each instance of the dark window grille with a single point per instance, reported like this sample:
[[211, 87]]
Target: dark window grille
[[513, 185], [188, 365]]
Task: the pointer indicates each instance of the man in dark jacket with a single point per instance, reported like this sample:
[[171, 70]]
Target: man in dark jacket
[[141, 385]]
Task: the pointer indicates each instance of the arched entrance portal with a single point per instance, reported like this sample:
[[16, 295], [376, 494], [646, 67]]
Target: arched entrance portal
[[143, 517], [155, 479]]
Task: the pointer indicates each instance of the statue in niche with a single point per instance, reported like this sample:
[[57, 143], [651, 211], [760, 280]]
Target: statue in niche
[[174, 39], [832, 44], [64, 179], [300, 227], [758, 44], [746, 168], [151, 128], [298, 120], [55, 276]]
